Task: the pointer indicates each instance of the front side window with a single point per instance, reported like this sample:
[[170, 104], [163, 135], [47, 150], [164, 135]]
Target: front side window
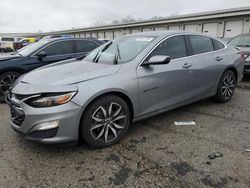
[[173, 47], [84, 46], [201, 44], [120, 50], [60, 48]]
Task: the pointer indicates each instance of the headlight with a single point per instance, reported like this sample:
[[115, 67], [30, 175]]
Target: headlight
[[49, 100]]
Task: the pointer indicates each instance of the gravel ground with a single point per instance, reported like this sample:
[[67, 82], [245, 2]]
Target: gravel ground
[[155, 152]]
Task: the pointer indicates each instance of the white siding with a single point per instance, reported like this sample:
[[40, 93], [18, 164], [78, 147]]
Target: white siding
[[88, 35], [118, 33], [147, 29], [174, 27], [246, 28], [191, 27], [109, 35], [138, 30], [160, 28], [100, 35], [82, 35], [94, 35], [210, 29], [233, 28]]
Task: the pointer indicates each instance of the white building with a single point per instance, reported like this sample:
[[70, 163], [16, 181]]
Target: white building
[[222, 23]]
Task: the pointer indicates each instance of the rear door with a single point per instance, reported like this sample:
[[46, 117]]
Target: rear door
[[206, 65], [56, 51]]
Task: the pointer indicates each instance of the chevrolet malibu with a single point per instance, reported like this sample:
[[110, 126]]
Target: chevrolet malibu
[[122, 81]]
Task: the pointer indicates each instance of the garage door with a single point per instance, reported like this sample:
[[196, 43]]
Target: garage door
[[88, 35], [160, 28], [100, 35], [174, 27], [147, 29], [210, 29], [118, 33], [233, 28], [108, 35], [191, 28], [94, 35], [135, 30]]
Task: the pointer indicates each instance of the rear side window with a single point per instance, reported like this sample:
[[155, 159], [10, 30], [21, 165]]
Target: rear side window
[[173, 47], [218, 45], [85, 46], [60, 48], [201, 44]]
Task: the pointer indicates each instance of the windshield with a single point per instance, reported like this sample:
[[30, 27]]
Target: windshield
[[28, 50], [241, 41], [119, 51]]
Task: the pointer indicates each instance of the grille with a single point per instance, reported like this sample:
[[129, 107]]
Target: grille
[[44, 134]]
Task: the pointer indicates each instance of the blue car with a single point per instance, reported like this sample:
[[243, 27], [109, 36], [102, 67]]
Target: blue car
[[39, 54]]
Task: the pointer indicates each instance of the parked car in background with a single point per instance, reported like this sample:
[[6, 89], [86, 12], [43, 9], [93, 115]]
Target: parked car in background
[[122, 81], [6, 44], [40, 54], [226, 39], [243, 43], [56, 36], [23, 42]]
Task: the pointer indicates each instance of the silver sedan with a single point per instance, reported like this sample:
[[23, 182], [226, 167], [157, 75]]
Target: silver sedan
[[122, 81]]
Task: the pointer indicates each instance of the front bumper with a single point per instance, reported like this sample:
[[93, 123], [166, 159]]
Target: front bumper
[[26, 119]]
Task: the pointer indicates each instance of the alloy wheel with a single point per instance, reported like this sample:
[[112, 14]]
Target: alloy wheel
[[107, 122], [7, 81], [228, 87]]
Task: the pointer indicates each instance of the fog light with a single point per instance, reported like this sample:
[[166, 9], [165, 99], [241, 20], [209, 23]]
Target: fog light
[[47, 125]]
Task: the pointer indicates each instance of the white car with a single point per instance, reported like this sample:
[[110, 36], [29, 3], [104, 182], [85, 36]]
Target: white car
[[6, 43]]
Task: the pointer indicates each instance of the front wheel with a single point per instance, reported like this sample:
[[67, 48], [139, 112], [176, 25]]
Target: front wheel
[[105, 121], [7, 80], [226, 87]]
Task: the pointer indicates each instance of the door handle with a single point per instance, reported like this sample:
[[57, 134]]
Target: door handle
[[187, 65], [219, 58]]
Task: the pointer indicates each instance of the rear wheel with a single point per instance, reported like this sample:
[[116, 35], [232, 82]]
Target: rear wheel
[[7, 80], [226, 87], [105, 121]]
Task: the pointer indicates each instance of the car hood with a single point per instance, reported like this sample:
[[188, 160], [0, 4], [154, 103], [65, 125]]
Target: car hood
[[245, 50], [68, 72], [9, 56]]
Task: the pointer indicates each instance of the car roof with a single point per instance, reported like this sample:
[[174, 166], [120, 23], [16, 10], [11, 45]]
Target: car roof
[[72, 38], [167, 33]]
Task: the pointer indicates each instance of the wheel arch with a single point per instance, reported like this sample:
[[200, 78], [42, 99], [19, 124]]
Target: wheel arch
[[120, 94], [12, 69], [234, 70]]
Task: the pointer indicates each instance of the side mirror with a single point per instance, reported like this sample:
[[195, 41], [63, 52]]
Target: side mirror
[[41, 55], [158, 60]]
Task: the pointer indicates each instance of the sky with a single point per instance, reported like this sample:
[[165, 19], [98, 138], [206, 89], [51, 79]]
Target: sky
[[52, 15]]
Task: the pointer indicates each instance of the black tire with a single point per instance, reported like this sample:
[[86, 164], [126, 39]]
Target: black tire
[[7, 80], [226, 87], [88, 128]]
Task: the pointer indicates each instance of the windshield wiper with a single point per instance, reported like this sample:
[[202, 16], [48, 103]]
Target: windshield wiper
[[98, 55], [117, 55]]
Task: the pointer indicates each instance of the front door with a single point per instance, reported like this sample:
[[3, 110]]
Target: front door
[[165, 86]]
